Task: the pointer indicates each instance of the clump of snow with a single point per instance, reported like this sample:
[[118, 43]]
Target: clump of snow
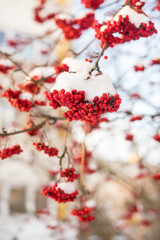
[[108, 18], [134, 17], [26, 95], [103, 28], [64, 16], [42, 71], [91, 84], [91, 203], [67, 187], [77, 65], [83, 13], [6, 62]]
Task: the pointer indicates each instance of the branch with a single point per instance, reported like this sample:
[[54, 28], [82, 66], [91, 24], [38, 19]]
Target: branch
[[24, 130], [96, 66]]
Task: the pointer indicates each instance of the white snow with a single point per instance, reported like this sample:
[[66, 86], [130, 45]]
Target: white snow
[[64, 16], [83, 13], [77, 65], [26, 95], [94, 86], [134, 17], [91, 203], [6, 62], [42, 71], [103, 28], [67, 187]]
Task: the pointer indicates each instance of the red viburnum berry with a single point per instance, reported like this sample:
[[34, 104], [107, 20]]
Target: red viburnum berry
[[8, 152], [61, 192], [156, 137], [50, 151], [69, 174], [139, 68], [129, 137]]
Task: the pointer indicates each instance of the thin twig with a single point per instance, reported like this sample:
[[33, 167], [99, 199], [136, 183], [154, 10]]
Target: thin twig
[[21, 131]]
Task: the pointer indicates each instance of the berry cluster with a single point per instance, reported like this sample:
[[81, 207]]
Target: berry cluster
[[136, 4], [40, 103], [37, 13], [157, 137], [156, 176], [4, 69], [83, 214], [61, 68], [122, 30], [94, 4], [69, 174], [72, 29], [47, 150], [31, 86], [58, 194], [135, 118], [14, 99], [8, 152], [81, 109]]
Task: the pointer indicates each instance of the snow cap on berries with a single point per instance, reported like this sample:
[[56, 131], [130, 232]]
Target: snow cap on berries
[[134, 17]]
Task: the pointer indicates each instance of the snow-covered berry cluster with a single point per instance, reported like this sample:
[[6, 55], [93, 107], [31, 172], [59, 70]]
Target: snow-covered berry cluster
[[72, 28], [30, 86], [50, 151], [83, 214], [93, 4], [8, 152], [5, 66], [69, 174], [126, 25], [61, 192], [14, 98], [137, 4], [86, 95]]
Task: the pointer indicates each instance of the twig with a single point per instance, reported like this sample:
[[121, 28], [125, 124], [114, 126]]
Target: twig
[[24, 130]]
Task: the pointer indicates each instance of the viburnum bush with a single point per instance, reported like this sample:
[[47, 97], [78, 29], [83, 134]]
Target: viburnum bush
[[89, 88]]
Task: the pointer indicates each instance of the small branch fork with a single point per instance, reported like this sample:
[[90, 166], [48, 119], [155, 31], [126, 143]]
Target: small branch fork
[[22, 70], [96, 65]]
